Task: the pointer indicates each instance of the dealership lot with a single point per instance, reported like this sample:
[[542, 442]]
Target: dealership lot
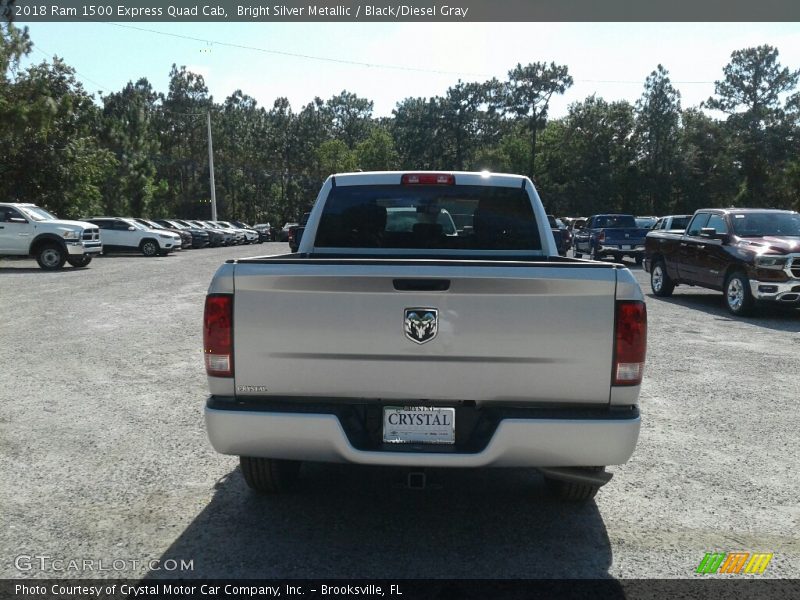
[[104, 456]]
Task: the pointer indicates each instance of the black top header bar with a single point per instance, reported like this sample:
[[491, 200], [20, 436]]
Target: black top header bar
[[266, 11]]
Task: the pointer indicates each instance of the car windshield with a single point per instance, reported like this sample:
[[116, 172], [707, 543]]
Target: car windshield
[[760, 224], [614, 222], [497, 218], [36, 214], [645, 222], [133, 223]]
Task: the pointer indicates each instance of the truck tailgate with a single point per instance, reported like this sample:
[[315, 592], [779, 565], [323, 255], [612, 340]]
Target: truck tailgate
[[625, 235], [512, 333]]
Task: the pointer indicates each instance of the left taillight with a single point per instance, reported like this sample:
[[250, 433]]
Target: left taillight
[[218, 335], [630, 342]]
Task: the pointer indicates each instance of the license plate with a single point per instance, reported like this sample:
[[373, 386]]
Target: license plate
[[628, 247], [419, 424]]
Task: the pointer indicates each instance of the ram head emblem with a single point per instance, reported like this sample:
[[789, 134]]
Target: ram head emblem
[[421, 324]]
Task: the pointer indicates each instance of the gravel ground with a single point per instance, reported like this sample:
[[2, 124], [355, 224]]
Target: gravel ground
[[103, 454]]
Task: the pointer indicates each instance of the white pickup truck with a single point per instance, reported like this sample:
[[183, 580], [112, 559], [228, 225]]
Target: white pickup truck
[[28, 230], [386, 340]]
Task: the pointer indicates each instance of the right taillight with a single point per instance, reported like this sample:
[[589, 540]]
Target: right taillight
[[601, 237], [630, 342], [218, 335]]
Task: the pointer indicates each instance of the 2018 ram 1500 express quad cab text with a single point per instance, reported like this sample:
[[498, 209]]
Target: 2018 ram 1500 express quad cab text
[[418, 348]]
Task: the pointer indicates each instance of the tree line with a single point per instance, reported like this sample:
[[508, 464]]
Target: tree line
[[142, 152]]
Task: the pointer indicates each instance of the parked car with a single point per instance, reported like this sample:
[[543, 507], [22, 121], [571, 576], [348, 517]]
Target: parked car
[[576, 223], [239, 235], [283, 236], [186, 237], [264, 230], [748, 254], [253, 236], [126, 235], [427, 359], [672, 223], [199, 236], [558, 235], [250, 235], [645, 222], [296, 231], [216, 235], [611, 234], [573, 225], [566, 233], [28, 230]]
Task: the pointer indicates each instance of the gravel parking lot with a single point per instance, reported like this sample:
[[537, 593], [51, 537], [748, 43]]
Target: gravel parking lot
[[103, 453]]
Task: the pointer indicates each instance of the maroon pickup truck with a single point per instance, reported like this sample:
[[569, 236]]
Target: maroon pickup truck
[[748, 254]]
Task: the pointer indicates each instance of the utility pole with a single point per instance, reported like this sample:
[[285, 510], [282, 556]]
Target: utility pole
[[211, 170]]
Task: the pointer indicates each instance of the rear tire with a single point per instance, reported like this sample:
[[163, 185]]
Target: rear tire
[[578, 254], [571, 491], [51, 256], [639, 260], [269, 475], [596, 255], [660, 282], [79, 261]]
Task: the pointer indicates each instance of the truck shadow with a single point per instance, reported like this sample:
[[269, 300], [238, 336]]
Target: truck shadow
[[768, 316], [348, 521]]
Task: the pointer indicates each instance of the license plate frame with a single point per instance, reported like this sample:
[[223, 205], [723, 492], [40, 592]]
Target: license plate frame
[[434, 425]]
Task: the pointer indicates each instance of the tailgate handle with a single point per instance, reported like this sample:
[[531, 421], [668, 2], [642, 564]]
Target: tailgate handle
[[422, 285]]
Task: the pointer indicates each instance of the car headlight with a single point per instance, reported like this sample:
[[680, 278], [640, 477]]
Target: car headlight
[[71, 235], [768, 261], [166, 236]]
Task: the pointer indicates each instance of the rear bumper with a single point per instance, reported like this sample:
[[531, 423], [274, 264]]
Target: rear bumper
[[619, 250], [514, 442]]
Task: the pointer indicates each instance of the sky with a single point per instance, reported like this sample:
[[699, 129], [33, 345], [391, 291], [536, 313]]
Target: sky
[[611, 60]]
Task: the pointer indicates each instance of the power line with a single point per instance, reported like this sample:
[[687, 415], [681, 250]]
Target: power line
[[89, 79], [361, 63], [297, 54]]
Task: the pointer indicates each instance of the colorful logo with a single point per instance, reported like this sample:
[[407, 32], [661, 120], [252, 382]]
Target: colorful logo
[[734, 562]]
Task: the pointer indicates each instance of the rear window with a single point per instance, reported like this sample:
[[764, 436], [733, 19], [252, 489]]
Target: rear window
[[614, 222], [427, 217], [680, 222]]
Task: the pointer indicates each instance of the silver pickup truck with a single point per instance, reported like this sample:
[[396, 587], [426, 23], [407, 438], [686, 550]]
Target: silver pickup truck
[[394, 338]]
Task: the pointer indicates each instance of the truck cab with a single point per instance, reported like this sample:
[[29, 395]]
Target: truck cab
[[28, 230], [750, 255], [614, 235]]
